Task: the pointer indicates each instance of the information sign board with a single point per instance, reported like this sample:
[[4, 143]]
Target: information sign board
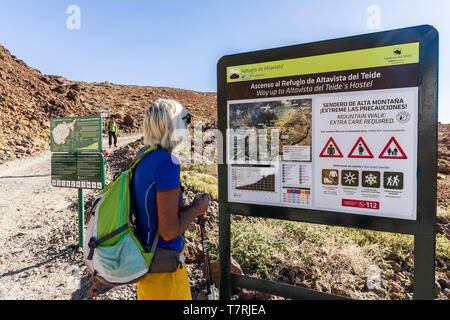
[[341, 132], [78, 170], [331, 112]]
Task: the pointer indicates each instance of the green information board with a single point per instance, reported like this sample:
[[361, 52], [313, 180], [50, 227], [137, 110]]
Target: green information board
[[78, 170], [76, 134], [64, 168]]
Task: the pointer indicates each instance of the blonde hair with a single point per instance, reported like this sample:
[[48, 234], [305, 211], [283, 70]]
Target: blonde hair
[[164, 125]]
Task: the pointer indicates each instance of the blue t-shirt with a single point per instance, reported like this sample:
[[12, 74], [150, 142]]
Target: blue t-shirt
[[158, 171]]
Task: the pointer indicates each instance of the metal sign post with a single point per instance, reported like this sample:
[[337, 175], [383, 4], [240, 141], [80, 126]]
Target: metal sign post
[[81, 218], [366, 109]]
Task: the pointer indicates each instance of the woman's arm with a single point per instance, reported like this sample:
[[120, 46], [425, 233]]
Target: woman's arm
[[171, 224]]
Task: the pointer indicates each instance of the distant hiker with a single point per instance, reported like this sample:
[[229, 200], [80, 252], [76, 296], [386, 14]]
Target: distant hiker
[[158, 199], [112, 131]]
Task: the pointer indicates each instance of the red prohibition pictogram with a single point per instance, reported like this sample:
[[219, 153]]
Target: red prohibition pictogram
[[392, 150], [360, 150], [331, 150]]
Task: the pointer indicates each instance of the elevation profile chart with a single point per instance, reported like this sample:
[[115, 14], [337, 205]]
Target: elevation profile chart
[[249, 181]]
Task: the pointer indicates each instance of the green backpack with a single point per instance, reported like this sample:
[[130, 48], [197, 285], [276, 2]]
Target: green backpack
[[112, 251]]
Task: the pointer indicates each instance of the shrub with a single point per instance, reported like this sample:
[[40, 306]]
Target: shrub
[[400, 245], [209, 169], [254, 250], [199, 183], [22, 132]]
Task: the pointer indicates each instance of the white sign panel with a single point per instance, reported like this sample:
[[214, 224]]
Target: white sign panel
[[343, 139], [373, 167]]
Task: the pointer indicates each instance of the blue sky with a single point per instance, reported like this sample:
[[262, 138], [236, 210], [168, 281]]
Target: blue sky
[[177, 43]]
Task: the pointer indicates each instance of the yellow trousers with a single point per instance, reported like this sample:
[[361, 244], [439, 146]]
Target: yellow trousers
[[165, 286]]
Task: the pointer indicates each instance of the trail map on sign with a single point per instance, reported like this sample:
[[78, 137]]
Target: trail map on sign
[[62, 131], [76, 134], [334, 132]]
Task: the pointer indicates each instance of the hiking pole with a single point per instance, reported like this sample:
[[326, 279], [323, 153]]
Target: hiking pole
[[210, 287]]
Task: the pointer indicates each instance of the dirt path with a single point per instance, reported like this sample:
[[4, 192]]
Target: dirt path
[[39, 258]]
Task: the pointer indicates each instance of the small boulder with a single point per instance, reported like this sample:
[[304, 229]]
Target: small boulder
[[395, 296], [59, 89], [444, 283], [437, 288], [245, 294], [374, 284], [443, 168], [447, 293], [193, 253], [395, 266], [128, 121], [75, 87], [395, 287], [340, 292], [60, 80], [72, 95], [234, 268], [443, 220]]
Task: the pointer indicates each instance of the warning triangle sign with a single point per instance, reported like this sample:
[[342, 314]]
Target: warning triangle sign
[[360, 150], [392, 150], [331, 150]]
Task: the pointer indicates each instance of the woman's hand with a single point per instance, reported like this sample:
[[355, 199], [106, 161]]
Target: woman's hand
[[172, 223], [200, 204]]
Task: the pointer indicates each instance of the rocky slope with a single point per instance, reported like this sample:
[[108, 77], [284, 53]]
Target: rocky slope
[[444, 165], [29, 99]]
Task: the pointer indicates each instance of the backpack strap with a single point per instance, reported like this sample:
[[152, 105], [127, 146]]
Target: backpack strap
[[145, 151], [155, 243], [94, 243]]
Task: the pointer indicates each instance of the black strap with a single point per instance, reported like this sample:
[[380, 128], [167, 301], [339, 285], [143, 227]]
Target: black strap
[[112, 234], [94, 243], [155, 242], [91, 211]]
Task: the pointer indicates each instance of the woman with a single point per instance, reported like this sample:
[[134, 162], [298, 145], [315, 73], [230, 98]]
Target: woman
[[158, 198]]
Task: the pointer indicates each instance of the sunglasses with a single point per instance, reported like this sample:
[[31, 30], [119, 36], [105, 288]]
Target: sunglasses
[[187, 118]]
